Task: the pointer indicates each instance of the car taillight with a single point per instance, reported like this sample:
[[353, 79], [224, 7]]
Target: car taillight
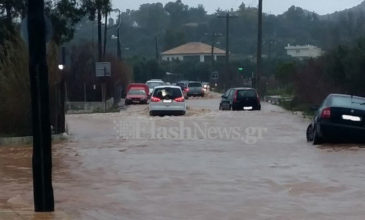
[[155, 99], [326, 113], [235, 96], [179, 99]]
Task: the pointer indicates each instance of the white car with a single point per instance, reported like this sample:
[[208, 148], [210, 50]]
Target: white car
[[167, 100], [153, 83]]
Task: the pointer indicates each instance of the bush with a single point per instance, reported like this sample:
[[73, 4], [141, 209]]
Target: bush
[[15, 108]]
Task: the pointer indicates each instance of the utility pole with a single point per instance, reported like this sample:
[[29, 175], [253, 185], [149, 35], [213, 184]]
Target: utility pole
[[214, 39], [259, 49], [105, 34], [227, 17], [42, 145]]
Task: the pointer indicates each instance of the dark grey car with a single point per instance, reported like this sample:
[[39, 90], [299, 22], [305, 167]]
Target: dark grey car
[[195, 89]]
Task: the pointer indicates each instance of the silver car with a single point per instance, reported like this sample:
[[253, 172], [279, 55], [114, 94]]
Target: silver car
[[153, 83], [167, 100], [195, 89]]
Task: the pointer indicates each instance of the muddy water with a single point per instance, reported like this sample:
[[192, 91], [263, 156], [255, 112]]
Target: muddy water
[[100, 175]]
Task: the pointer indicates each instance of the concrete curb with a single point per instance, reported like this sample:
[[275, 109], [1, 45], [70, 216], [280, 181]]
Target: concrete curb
[[28, 140]]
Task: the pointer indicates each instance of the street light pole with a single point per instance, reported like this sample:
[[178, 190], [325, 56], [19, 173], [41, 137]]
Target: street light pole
[[42, 145]]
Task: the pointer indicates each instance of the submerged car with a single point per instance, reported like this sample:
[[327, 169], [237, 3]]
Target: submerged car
[[136, 95], [153, 83], [206, 86], [183, 86], [167, 100], [195, 89], [240, 99], [340, 117]]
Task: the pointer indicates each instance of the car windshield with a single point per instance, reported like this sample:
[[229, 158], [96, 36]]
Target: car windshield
[[152, 85], [246, 93], [195, 84], [167, 93], [136, 92], [348, 101]]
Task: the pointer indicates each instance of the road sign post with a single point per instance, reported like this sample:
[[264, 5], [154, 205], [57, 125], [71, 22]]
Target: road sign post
[[103, 70]]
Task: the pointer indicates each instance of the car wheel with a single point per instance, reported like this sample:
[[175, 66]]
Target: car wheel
[[310, 133], [152, 114], [317, 140]]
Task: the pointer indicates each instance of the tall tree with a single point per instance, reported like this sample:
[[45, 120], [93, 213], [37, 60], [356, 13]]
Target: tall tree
[[96, 8]]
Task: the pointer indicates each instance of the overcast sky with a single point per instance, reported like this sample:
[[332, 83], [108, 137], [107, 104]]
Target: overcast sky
[[270, 6]]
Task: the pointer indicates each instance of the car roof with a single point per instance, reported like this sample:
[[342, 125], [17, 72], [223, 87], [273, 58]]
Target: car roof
[[195, 82], [345, 96], [167, 86], [243, 88], [154, 80]]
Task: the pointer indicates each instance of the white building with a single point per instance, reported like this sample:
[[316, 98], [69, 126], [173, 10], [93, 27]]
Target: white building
[[302, 52], [193, 51]]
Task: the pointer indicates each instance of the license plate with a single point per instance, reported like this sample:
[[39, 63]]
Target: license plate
[[351, 118], [167, 101], [247, 108]]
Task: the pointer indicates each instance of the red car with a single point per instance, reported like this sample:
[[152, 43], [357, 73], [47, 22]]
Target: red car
[[138, 86], [136, 96], [137, 93]]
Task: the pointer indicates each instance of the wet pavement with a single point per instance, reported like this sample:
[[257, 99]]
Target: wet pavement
[[125, 166]]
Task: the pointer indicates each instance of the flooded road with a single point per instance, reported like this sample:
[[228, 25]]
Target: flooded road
[[208, 164]]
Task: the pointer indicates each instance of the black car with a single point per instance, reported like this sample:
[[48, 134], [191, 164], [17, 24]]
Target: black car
[[340, 117], [240, 99]]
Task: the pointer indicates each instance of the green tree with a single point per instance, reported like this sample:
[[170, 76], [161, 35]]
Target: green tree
[[96, 8], [151, 17]]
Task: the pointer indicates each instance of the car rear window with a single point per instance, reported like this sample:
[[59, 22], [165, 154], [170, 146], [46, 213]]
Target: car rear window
[[195, 85], [136, 92], [246, 93], [152, 85], [167, 93], [344, 101]]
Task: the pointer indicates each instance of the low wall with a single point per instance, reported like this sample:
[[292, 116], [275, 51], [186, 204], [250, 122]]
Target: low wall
[[28, 140], [88, 107], [276, 99]]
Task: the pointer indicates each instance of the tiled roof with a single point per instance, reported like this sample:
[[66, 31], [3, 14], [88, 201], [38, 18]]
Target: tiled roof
[[193, 48]]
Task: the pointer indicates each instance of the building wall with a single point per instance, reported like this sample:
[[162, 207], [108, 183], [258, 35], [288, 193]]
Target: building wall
[[202, 58], [304, 51]]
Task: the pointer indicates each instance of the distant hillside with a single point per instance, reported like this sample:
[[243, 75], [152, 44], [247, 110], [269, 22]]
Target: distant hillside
[[175, 23], [356, 11]]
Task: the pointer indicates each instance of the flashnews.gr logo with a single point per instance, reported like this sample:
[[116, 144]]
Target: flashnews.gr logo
[[180, 130]]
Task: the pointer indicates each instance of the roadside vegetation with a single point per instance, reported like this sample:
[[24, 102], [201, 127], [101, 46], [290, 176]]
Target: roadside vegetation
[[340, 70]]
